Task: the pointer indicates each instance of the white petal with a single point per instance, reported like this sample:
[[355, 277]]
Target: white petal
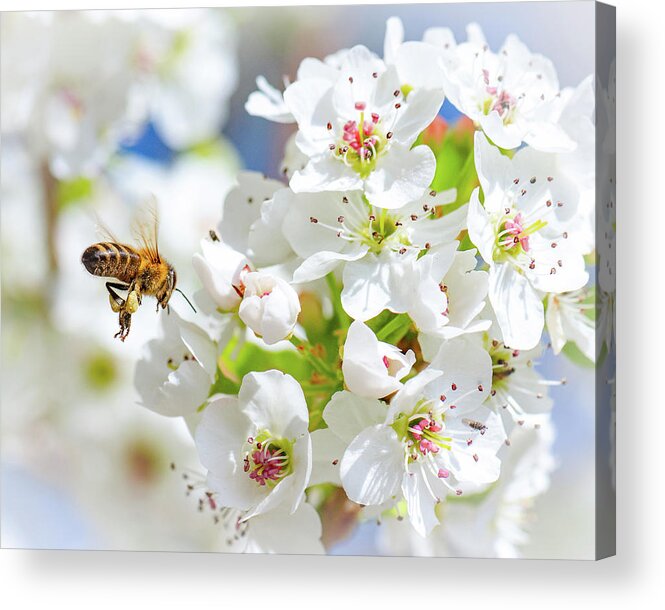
[[281, 532], [393, 39], [469, 368], [419, 500], [422, 105], [274, 401], [304, 98], [367, 289], [200, 345], [493, 168], [549, 138], [411, 393], [506, 136], [219, 438], [364, 371], [221, 432], [327, 452], [347, 414], [325, 173], [320, 264], [481, 232], [518, 308], [185, 390], [372, 466], [441, 230], [268, 103], [242, 207], [400, 176]]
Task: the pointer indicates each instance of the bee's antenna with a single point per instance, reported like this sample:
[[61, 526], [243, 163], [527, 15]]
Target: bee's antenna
[[186, 299]]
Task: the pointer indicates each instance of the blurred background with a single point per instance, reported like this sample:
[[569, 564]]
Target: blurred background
[[83, 466]]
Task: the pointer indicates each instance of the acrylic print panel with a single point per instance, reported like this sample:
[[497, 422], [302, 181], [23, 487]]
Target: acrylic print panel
[[379, 240]]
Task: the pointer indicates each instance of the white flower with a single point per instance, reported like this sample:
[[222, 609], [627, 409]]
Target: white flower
[[256, 446], [567, 321], [495, 523], [176, 370], [401, 283], [576, 170], [187, 60], [358, 132], [221, 270], [268, 102], [511, 94], [372, 368], [278, 531], [380, 250], [465, 291], [252, 219], [524, 233], [270, 306], [434, 439], [519, 393], [412, 60], [265, 303]]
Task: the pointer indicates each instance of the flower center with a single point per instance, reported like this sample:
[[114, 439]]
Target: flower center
[[499, 100], [173, 362], [514, 233], [239, 281], [421, 432], [361, 142], [502, 367], [267, 459], [514, 228], [377, 227], [424, 433]]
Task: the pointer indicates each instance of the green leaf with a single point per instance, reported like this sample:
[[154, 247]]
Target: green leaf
[[69, 192]]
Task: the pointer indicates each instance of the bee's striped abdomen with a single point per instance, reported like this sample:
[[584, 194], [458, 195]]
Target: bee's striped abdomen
[[108, 259]]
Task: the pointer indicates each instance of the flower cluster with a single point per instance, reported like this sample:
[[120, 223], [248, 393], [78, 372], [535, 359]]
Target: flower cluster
[[370, 326]]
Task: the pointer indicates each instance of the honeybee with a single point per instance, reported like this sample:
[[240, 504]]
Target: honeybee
[[140, 271]]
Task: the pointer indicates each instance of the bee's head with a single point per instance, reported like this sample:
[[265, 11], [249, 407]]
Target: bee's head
[[168, 288]]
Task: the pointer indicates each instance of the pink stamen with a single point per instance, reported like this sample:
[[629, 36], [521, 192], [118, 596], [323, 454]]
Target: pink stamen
[[504, 102], [515, 228], [265, 465]]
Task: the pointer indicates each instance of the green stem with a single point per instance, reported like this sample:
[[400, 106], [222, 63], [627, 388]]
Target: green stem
[[317, 364], [343, 319], [395, 329]]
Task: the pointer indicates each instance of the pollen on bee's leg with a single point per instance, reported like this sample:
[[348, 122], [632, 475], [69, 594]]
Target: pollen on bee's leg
[[132, 303], [116, 304]]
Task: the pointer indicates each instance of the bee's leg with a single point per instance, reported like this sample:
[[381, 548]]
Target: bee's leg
[[117, 302], [125, 320]]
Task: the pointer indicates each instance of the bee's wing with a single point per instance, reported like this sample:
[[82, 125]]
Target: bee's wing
[[146, 227], [103, 231]]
